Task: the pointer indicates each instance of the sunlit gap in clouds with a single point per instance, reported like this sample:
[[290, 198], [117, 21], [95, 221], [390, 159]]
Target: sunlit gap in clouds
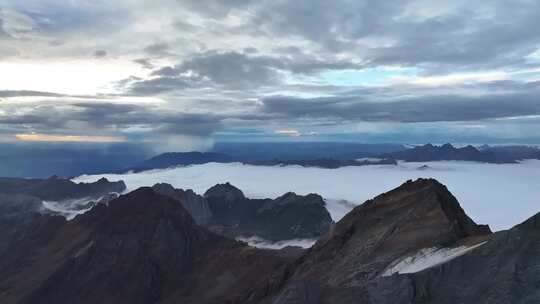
[[34, 137]]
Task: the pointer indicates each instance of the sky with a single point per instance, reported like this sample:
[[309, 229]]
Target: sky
[[183, 74]]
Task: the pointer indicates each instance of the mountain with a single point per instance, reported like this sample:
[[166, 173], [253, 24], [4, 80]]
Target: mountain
[[506, 269], [328, 163], [41, 160], [167, 160], [302, 150], [57, 189], [413, 244], [141, 248], [21, 201], [224, 209], [513, 152], [341, 267], [196, 205], [430, 152], [290, 216]]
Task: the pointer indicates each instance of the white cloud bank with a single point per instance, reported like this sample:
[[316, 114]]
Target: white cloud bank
[[500, 195]]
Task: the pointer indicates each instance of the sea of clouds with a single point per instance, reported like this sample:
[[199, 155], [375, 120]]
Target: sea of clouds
[[501, 195]]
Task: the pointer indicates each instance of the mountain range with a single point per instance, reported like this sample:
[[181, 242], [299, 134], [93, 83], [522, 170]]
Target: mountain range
[[424, 153], [29, 161], [430, 152], [413, 244]]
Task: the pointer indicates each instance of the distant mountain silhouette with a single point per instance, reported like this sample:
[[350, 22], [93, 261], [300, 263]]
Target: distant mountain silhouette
[[327, 163], [512, 152], [173, 159], [430, 152]]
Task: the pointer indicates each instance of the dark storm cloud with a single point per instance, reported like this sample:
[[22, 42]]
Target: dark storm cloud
[[145, 63], [330, 24], [481, 34], [215, 8], [434, 108], [467, 41], [111, 117], [158, 85], [232, 70], [227, 68], [100, 53], [19, 93], [163, 121]]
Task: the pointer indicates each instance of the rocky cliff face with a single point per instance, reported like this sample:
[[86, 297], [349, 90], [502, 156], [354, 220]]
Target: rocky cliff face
[[340, 267], [196, 205], [290, 216], [224, 209], [141, 248]]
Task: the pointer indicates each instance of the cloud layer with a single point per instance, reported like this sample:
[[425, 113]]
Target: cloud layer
[[185, 71], [487, 192]]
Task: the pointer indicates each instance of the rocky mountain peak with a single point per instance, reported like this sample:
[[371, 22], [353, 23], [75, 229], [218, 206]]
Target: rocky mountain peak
[[225, 191], [196, 205], [416, 215], [532, 223]]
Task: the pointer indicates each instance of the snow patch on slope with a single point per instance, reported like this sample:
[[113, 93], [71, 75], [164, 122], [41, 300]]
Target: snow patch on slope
[[427, 258]]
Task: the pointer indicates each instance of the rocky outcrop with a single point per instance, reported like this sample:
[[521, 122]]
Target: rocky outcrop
[[141, 248], [290, 216], [340, 267], [196, 205]]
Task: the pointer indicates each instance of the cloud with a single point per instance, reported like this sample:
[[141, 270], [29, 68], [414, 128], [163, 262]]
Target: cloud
[[100, 53], [225, 68], [485, 191], [15, 24], [288, 132], [34, 137], [145, 62], [19, 93], [431, 108], [107, 119], [326, 67]]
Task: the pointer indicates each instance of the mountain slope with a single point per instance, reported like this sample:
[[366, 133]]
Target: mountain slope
[[506, 269], [141, 248], [399, 223], [22, 199]]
